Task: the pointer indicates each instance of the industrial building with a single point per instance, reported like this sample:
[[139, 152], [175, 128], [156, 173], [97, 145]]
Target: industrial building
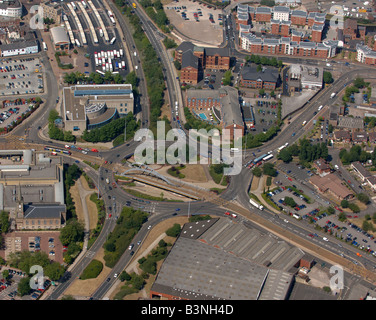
[[87, 107], [32, 189], [219, 259]]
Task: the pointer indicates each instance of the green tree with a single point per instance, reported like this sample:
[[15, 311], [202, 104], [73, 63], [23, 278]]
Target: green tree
[[54, 271], [72, 232], [174, 231], [362, 197], [290, 202], [227, 78], [344, 204], [268, 169], [285, 155], [4, 221], [257, 172], [328, 78], [23, 287]]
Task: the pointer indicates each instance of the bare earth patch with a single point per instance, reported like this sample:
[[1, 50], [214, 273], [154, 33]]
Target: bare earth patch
[[194, 172]]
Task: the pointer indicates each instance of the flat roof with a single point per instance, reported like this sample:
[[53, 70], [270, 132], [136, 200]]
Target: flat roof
[[204, 264]]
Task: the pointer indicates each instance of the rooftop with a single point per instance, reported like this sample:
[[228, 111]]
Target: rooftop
[[213, 260]]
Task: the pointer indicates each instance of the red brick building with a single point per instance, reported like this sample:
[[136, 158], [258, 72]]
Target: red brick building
[[350, 29], [317, 30], [298, 17], [267, 78], [263, 14], [189, 72], [281, 28], [217, 59]]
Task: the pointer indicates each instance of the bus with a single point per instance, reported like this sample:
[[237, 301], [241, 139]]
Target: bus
[[260, 158], [268, 157], [134, 5], [44, 46], [57, 150]]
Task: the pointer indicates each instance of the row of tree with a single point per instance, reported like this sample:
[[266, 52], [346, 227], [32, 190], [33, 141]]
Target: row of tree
[[151, 66], [265, 61], [113, 129], [306, 152], [92, 78], [127, 226], [155, 11], [356, 153]]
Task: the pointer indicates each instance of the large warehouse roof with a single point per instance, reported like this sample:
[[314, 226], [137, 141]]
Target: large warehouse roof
[[59, 35], [219, 259]]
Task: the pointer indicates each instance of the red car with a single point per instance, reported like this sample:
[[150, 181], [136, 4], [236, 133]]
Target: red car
[[289, 178], [227, 213], [311, 235], [78, 148]]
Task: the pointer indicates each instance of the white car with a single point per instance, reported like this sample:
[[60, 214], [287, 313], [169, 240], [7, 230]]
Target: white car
[[325, 239], [285, 220], [115, 275], [84, 152], [149, 227]]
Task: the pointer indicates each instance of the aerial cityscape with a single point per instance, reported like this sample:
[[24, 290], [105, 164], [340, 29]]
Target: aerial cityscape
[[159, 150]]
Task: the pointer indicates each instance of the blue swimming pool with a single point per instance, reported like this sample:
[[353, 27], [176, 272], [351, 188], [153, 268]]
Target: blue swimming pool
[[203, 116]]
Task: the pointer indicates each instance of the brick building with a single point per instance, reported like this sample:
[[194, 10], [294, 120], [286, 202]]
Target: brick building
[[225, 100], [267, 78], [315, 18], [263, 14], [190, 71], [285, 46], [299, 17], [317, 30], [217, 58], [195, 59], [281, 28], [350, 29]]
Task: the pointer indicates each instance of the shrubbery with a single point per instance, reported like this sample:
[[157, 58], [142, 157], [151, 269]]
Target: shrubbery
[[127, 226], [93, 270]]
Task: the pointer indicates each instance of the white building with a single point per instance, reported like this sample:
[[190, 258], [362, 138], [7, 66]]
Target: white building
[[281, 13], [11, 8], [310, 77], [364, 52]]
